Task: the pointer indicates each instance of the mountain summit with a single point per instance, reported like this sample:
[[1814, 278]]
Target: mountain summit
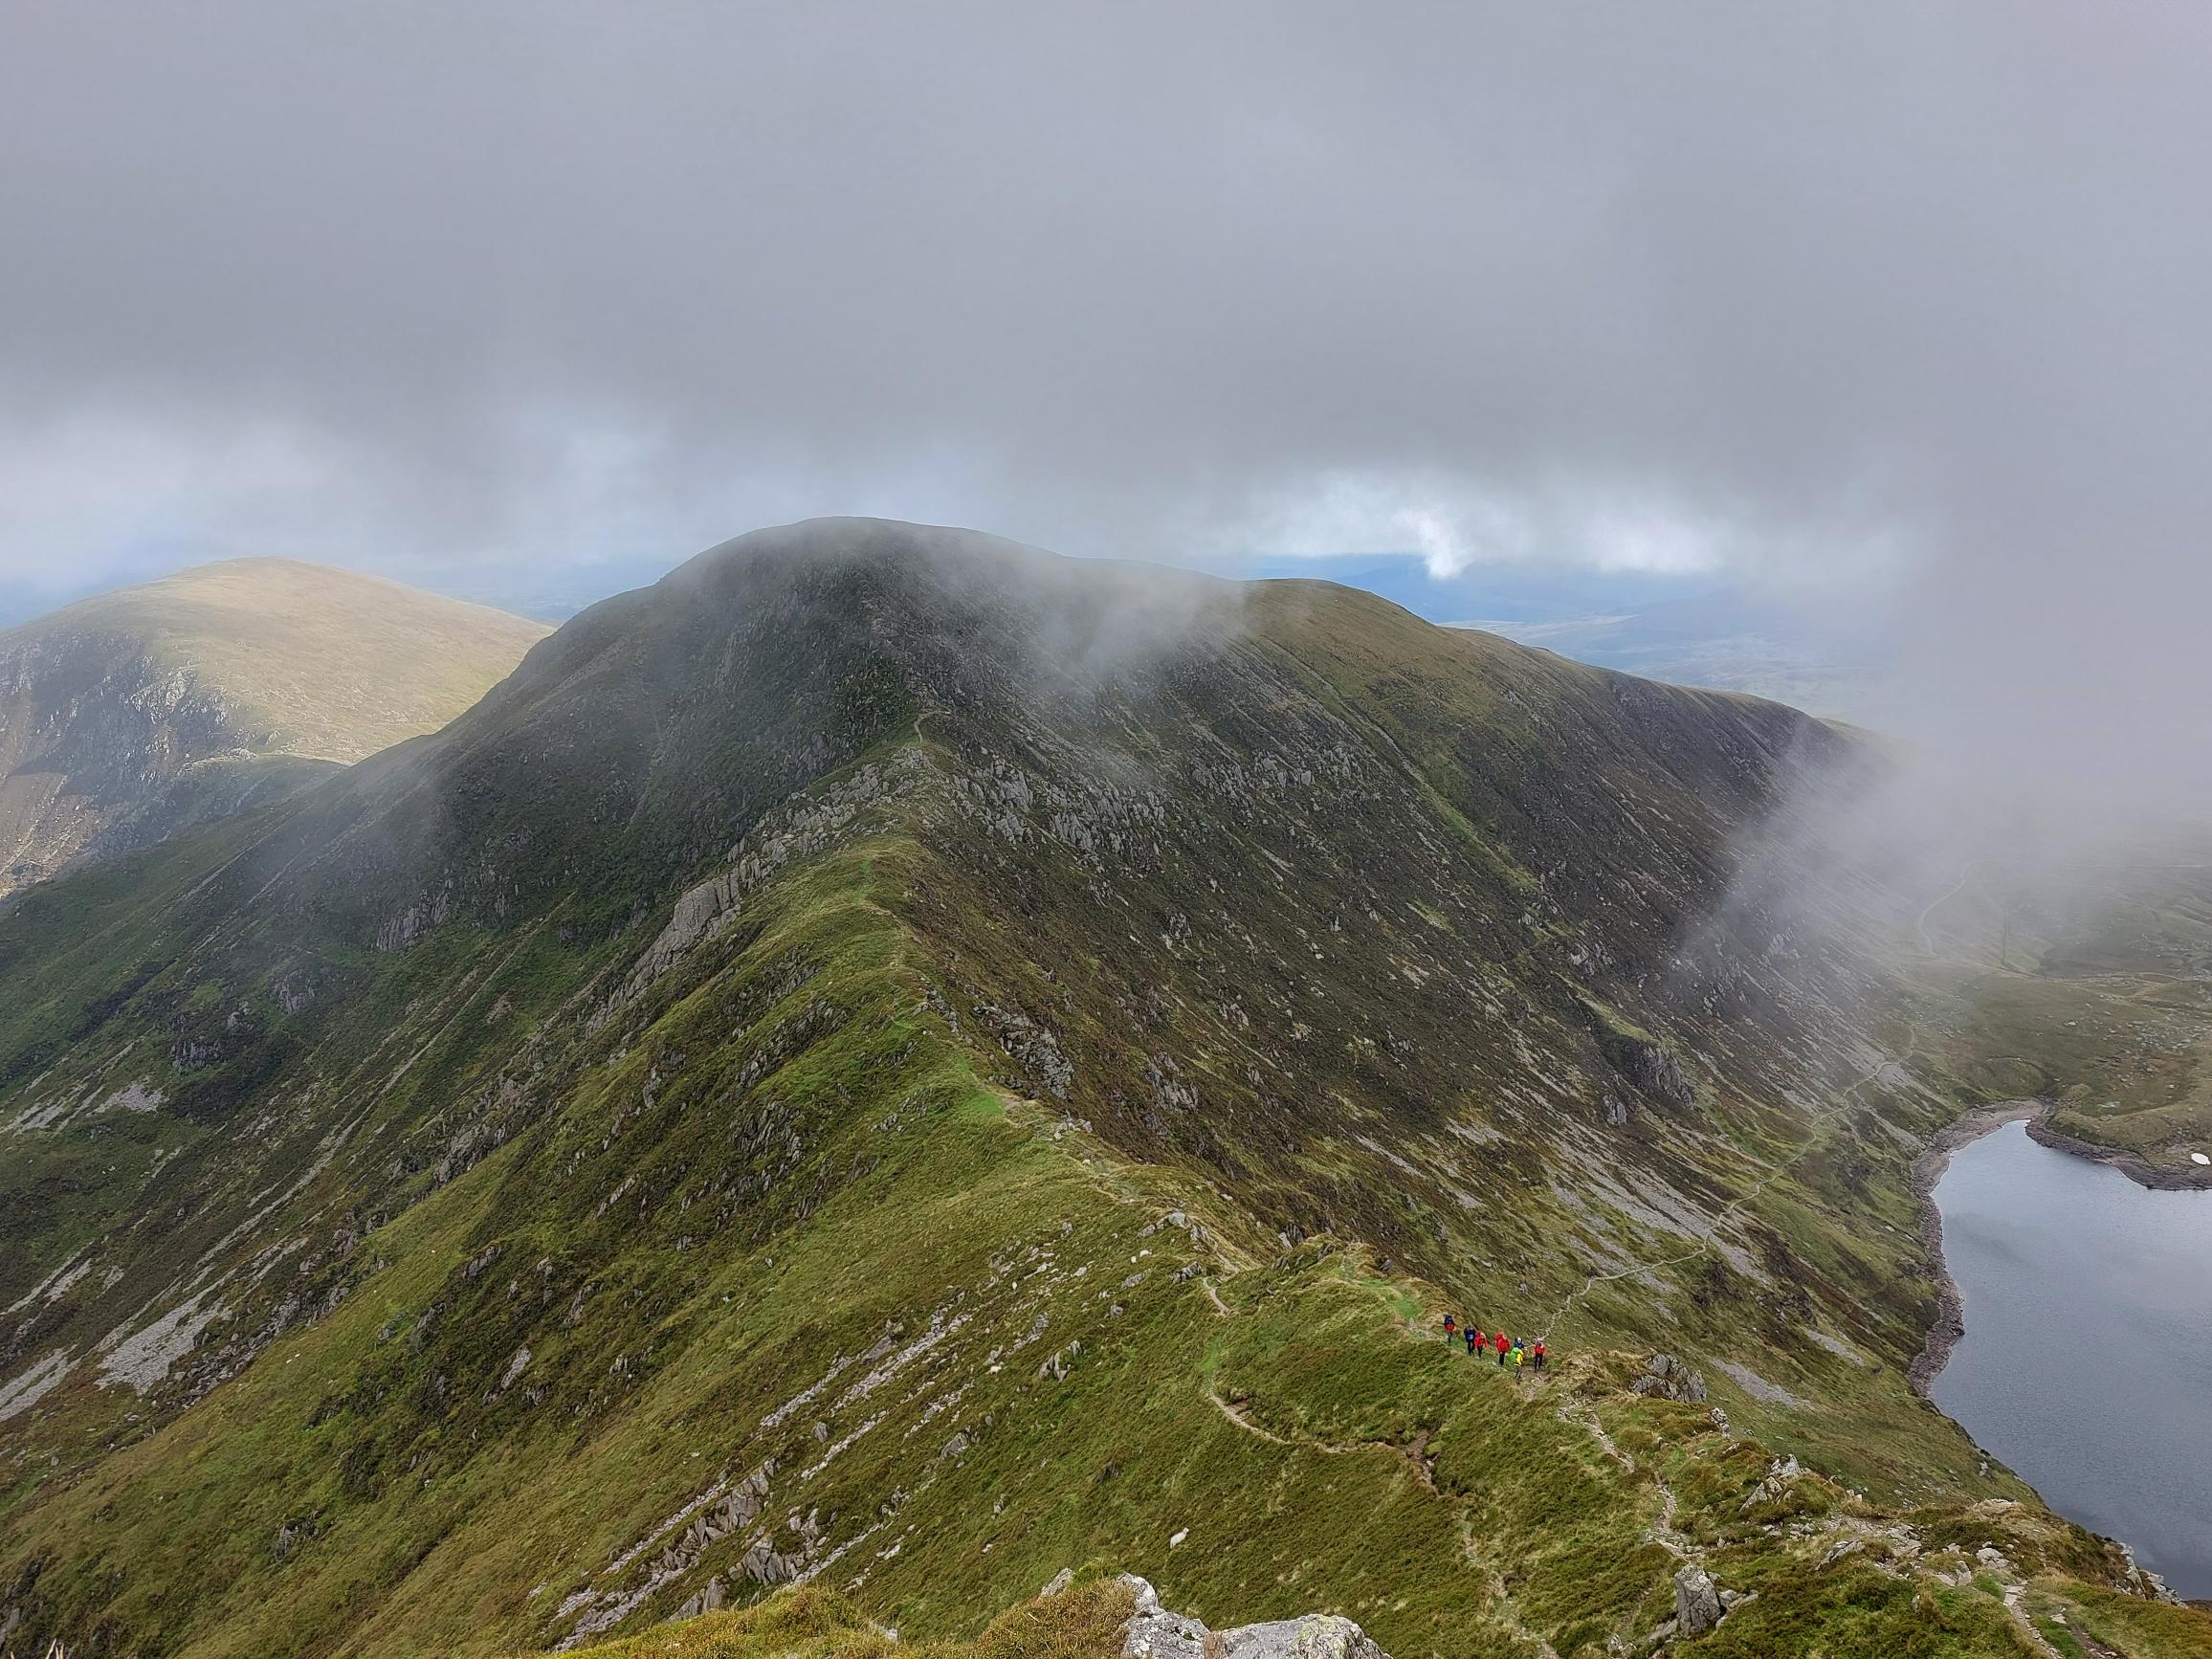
[[127, 714], [895, 1061]]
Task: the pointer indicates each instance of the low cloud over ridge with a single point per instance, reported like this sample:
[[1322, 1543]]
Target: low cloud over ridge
[[1854, 298]]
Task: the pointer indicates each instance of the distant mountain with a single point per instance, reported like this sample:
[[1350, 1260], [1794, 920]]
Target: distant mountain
[[894, 1062], [129, 714]]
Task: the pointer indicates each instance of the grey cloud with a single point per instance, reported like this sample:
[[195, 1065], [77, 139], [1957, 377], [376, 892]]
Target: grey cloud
[[1858, 293]]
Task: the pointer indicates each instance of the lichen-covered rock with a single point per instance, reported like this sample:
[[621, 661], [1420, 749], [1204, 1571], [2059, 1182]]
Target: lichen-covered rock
[[1153, 1632], [1697, 1605], [1667, 1377], [1316, 1636]]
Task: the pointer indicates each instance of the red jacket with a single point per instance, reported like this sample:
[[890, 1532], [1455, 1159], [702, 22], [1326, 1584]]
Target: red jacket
[[1501, 1341]]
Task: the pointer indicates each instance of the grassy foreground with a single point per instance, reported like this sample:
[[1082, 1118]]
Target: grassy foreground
[[1081, 1623]]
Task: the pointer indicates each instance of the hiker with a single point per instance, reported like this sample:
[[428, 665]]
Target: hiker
[[1501, 1349], [1517, 1357], [1538, 1355], [1450, 1325], [1473, 1339]]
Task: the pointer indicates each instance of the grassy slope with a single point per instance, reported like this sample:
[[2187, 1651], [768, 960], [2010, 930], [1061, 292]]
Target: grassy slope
[[1827, 1244], [2101, 1007], [316, 661], [1322, 1447], [772, 1174], [1083, 1623], [134, 715]]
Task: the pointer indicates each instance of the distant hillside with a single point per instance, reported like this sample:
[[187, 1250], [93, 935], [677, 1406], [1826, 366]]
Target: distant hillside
[[130, 715], [1725, 641]]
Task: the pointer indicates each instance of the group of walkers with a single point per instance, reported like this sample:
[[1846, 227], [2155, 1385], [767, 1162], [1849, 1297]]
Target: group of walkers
[[1514, 1351]]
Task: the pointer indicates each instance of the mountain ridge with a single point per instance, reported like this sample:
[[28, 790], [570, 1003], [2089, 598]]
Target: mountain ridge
[[892, 1061]]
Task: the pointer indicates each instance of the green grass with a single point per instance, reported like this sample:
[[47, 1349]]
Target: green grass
[[1527, 1526], [316, 661], [837, 1196], [1084, 1622]]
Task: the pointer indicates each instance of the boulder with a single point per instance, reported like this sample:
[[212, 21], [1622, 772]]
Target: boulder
[[1697, 1605], [1316, 1636], [1153, 1632]]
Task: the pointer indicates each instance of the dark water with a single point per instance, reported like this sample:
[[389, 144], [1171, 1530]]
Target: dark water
[[2087, 1364]]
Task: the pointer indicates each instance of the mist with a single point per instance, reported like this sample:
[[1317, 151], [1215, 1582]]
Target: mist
[[1881, 307]]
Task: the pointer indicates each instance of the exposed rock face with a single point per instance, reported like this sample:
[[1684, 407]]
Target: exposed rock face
[[1652, 1068], [1317, 1636], [1156, 1633], [1667, 1377]]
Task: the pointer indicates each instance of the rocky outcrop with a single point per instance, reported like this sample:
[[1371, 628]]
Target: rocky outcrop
[[1650, 1066], [1773, 1486], [2144, 1582], [1655, 1071], [1697, 1605], [1665, 1378], [1153, 1632]]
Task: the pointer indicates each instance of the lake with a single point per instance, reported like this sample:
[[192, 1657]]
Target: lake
[[2087, 1364]]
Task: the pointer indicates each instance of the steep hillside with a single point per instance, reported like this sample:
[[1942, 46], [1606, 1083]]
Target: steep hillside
[[895, 1061], [130, 715]]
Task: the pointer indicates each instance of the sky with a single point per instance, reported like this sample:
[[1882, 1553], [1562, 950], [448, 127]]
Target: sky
[[1880, 304]]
